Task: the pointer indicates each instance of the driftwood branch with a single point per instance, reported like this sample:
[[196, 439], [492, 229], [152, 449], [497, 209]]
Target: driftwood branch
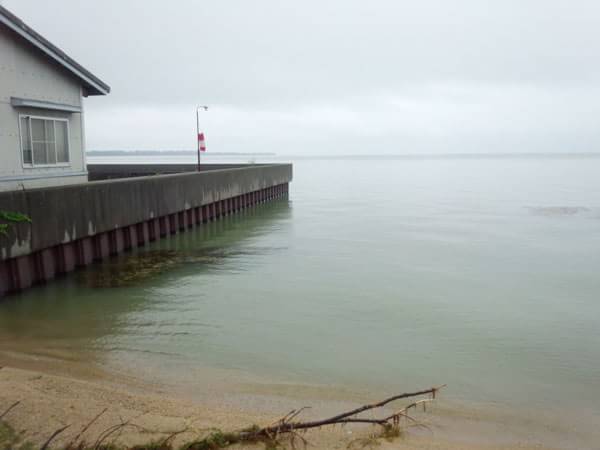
[[287, 425]]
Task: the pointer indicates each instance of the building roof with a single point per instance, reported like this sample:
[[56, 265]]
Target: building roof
[[93, 84]]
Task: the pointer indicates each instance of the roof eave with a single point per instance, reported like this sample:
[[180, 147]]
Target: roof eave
[[93, 85]]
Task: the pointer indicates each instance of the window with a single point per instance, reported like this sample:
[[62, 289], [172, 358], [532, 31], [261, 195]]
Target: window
[[44, 141]]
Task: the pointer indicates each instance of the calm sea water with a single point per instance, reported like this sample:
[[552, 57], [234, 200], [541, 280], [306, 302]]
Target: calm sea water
[[384, 273]]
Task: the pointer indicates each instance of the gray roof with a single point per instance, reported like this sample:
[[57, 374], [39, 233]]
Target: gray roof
[[93, 84]]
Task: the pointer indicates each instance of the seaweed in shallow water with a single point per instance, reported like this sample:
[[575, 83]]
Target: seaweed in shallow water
[[137, 268], [129, 270]]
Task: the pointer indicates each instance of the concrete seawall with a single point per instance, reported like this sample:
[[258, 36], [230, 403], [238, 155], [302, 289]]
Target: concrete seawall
[[73, 226]]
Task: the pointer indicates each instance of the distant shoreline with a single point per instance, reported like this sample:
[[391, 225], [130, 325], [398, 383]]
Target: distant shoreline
[[508, 155]]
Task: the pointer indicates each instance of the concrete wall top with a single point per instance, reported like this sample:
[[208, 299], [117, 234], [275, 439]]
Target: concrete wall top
[[111, 171], [66, 213]]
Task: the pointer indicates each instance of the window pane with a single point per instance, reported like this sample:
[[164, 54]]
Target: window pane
[[26, 140], [62, 144], [49, 124], [37, 130], [51, 152], [39, 152]]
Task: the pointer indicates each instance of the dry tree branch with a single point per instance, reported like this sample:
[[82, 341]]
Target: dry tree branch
[[404, 411], [289, 416], [285, 425]]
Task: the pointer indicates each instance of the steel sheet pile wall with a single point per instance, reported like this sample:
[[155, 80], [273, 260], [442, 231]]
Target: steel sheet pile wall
[[72, 226]]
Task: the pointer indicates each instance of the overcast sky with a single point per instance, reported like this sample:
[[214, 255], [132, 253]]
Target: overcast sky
[[335, 76]]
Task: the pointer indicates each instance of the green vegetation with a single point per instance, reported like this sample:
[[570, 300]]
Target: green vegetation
[[216, 439], [8, 218], [11, 440]]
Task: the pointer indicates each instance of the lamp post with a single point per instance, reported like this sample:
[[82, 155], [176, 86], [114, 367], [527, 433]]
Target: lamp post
[[205, 108]]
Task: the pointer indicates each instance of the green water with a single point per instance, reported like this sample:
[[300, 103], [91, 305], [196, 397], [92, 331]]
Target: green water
[[380, 273]]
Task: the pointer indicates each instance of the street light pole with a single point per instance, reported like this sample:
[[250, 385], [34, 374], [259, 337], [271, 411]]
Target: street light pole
[[198, 131]]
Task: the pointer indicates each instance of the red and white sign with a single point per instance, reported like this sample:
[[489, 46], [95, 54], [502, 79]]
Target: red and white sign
[[201, 143]]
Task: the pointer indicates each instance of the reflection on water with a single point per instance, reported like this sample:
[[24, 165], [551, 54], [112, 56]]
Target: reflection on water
[[79, 313]]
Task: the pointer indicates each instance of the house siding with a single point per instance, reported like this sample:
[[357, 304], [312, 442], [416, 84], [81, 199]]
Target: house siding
[[25, 72]]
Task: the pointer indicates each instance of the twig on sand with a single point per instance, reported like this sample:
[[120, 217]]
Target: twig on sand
[[51, 438], [14, 405], [170, 437], [75, 440]]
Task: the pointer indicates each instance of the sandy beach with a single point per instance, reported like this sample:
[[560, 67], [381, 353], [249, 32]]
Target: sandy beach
[[52, 399]]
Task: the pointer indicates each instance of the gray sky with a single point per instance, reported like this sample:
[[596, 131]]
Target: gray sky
[[335, 76]]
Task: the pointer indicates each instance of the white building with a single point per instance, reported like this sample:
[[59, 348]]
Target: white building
[[42, 140]]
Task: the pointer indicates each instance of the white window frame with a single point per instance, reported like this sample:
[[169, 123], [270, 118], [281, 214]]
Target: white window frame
[[33, 165]]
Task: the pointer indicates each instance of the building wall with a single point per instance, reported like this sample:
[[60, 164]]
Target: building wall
[[26, 73]]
